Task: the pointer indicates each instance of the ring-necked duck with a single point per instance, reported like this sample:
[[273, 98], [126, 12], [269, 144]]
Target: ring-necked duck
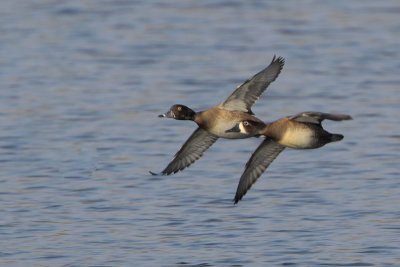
[[301, 131], [214, 122]]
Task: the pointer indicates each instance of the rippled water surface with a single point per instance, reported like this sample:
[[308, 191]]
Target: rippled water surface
[[82, 83]]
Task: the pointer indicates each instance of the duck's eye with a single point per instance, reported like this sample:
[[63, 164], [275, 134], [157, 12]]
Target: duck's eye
[[179, 108], [246, 123]]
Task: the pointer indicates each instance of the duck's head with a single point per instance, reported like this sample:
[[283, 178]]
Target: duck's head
[[179, 112], [248, 127]]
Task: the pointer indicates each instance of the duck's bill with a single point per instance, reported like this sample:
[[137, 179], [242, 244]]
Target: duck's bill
[[235, 129], [167, 114]]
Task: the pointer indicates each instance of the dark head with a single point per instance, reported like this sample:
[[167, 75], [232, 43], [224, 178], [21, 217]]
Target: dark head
[[179, 112], [248, 127]]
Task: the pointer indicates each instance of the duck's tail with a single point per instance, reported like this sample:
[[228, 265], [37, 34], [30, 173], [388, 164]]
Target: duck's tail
[[336, 137]]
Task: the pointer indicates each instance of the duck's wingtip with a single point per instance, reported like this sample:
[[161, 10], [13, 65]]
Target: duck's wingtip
[[279, 59]]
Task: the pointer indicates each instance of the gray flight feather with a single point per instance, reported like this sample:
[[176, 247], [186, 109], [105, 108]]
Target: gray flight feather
[[318, 117], [192, 150], [248, 92], [266, 152]]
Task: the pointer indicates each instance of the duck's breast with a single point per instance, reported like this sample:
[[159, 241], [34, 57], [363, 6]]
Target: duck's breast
[[298, 136]]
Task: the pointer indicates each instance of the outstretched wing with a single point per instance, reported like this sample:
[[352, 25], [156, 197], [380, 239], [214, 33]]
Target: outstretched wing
[[248, 92], [257, 164], [192, 150], [318, 117]]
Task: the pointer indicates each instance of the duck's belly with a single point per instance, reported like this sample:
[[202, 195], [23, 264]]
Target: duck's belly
[[300, 138], [221, 127]]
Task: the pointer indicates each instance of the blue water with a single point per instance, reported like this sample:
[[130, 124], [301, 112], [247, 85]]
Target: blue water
[[82, 83]]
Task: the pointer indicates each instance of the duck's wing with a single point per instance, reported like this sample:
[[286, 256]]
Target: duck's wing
[[257, 164], [248, 92], [192, 150], [318, 117]]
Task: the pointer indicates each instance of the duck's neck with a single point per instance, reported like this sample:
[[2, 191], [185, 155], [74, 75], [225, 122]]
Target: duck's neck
[[268, 130], [198, 118]]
